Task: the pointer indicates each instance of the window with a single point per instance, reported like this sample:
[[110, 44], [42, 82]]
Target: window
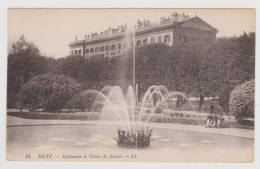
[[119, 46], [166, 39], [91, 50], [182, 38], [145, 42], [96, 49], [113, 47], [152, 40], [92, 57], [113, 54], [79, 51], [87, 50], [159, 39], [138, 43], [102, 56], [107, 48], [76, 52], [102, 49]]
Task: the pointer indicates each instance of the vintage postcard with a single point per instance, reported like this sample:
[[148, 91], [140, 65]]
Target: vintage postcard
[[131, 85]]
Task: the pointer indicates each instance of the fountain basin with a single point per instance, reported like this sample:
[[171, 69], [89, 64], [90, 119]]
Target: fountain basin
[[167, 143]]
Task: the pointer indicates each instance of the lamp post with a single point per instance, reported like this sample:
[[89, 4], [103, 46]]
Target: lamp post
[[21, 95]]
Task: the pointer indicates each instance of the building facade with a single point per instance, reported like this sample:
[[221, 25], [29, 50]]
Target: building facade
[[173, 30]]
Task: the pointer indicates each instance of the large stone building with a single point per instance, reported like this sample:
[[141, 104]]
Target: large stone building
[[173, 30]]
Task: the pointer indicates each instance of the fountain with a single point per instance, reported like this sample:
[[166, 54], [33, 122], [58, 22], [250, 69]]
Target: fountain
[[130, 115], [132, 119]]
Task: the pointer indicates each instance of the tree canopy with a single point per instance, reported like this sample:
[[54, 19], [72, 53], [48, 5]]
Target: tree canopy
[[196, 69], [24, 62], [49, 92], [242, 100]]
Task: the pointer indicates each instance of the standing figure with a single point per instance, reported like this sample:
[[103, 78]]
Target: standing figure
[[220, 121], [212, 107], [208, 121], [215, 121]]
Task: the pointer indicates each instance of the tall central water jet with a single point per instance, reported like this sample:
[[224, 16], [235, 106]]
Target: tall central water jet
[[129, 40]]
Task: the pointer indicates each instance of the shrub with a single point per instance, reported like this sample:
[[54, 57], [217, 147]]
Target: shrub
[[49, 92], [242, 100]]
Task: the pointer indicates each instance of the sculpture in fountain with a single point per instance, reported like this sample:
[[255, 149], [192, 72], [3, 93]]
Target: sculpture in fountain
[[134, 139]]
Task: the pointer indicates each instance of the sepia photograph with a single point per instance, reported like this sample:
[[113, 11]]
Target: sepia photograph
[[131, 85]]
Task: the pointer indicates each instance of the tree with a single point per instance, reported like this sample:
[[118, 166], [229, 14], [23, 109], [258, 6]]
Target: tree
[[154, 66], [236, 60], [209, 76], [24, 62], [227, 63], [242, 100], [49, 92], [192, 70], [70, 66], [246, 59]]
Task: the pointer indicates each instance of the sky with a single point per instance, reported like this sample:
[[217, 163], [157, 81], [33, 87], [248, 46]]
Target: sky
[[53, 29]]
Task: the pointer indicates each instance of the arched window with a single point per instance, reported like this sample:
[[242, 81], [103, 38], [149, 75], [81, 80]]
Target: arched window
[[87, 51], [152, 40], [102, 49], [96, 49], [79, 51], [76, 52], [91, 50], [113, 47], [145, 42], [166, 38]]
